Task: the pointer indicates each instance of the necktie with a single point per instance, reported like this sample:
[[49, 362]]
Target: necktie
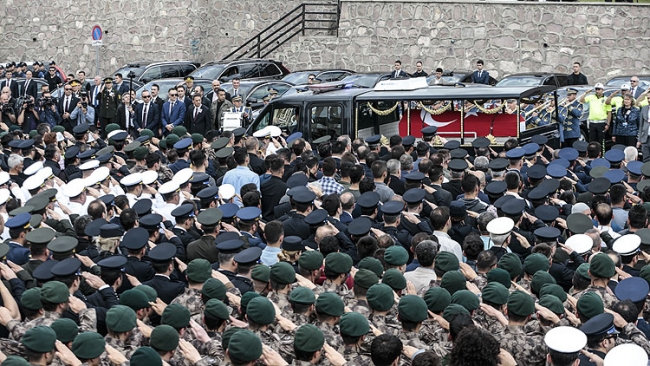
[[95, 96], [27, 84], [480, 73], [128, 116], [144, 115], [196, 111], [171, 107], [67, 104]]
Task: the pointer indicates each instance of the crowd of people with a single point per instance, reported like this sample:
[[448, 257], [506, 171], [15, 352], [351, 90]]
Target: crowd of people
[[166, 245]]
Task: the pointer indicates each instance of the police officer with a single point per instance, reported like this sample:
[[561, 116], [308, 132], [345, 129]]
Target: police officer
[[109, 98]]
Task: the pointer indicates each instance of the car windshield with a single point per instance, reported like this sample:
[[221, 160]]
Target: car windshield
[[523, 80], [361, 80], [299, 78], [209, 71], [163, 87], [137, 70], [243, 88], [617, 82]]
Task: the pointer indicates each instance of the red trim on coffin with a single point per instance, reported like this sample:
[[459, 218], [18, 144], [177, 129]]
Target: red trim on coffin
[[505, 125]]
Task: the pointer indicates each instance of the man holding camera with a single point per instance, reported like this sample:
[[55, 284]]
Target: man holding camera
[[83, 113], [28, 117], [8, 113], [48, 112]]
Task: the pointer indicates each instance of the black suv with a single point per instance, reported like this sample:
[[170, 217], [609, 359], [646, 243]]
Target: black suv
[[256, 69], [146, 71], [534, 79]]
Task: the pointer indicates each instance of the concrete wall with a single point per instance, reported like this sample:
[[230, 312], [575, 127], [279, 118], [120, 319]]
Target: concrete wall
[[609, 39]]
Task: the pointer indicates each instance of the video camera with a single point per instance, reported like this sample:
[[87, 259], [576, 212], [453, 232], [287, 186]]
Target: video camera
[[46, 101], [84, 99]]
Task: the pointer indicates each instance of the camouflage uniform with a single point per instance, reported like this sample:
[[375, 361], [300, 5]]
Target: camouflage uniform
[[165, 174], [608, 299], [331, 334], [632, 334], [413, 339], [17, 329], [124, 348], [480, 281], [525, 284], [386, 324], [433, 283], [12, 348], [284, 344], [488, 323], [341, 290], [355, 355], [527, 348], [282, 301], [191, 299], [212, 348], [360, 306], [432, 332]]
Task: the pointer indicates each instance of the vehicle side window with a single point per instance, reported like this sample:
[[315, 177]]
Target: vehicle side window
[[187, 69], [230, 72], [262, 91], [550, 81], [370, 123], [249, 71], [169, 71], [284, 117], [269, 70], [562, 80], [152, 73], [326, 119]]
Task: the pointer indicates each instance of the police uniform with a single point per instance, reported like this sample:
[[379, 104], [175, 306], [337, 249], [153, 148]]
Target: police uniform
[[108, 99], [166, 288], [296, 225], [248, 257], [135, 239], [18, 253], [571, 121], [183, 211], [205, 247]]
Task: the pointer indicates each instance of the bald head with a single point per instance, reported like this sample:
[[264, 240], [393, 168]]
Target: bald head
[[323, 232], [347, 201]]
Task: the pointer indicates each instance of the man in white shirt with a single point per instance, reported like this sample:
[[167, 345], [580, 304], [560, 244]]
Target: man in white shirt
[[425, 252], [441, 221]]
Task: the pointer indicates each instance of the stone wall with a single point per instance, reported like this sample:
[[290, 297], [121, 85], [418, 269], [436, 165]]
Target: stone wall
[[609, 39]]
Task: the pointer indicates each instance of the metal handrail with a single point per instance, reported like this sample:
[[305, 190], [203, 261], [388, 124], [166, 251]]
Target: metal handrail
[[282, 30]]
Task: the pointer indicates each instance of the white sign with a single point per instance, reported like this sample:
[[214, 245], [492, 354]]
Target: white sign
[[402, 84], [97, 43]]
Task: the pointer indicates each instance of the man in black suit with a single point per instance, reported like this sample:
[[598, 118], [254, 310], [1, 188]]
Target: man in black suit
[[635, 89], [182, 96], [577, 77], [147, 114], [257, 165], [480, 76], [398, 72], [95, 90], [29, 86], [11, 83], [197, 118], [154, 96], [66, 105], [161, 257], [273, 189], [120, 85]]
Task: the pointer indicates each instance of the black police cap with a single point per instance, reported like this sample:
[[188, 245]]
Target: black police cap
[[163, 252], [135, 239], [151, 221], [142, 207], [316, 217]]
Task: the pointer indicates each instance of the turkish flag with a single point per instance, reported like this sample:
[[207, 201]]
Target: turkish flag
[[477, 124]]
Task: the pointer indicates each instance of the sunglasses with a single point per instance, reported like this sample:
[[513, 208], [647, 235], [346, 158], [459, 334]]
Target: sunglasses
[[173, 95], [68, 89], [146, 96], [312, 78]]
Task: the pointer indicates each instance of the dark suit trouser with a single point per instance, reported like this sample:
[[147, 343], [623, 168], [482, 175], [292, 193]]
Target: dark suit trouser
[[597, 132], [645, 150], [103, 122]]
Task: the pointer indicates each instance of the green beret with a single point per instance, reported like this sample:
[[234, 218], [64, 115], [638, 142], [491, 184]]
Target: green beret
[[66, 329], [31, 299], [452, 310], [32, 133], [197, 138], [176, 315], [302, 295], [246, 298], [467, 299], [311, 260], [437, 299], [380, 297], [111, 127], [261, 311], [59, 128], [120, 318], [353, 325], [536, 262], [395, 279], [396, 255], [499, 275], [645, 273], [145, 356], [225, 337], [365, 278], [553, 289], [602, 266], [412, 308], [330, 303], [140, 153], [40, 339], [164, 338], [453, 281], [261, 273], [583, 271], [540, 279], [199, 270], [372, 264], [283, 273], [15, 361], [495, 293], [152, 295], [338, 262], [171, 139], [217, 309], [520, 303], [308, 338], [446, 262], [590, 304], [134, 299], [179, 131], [146, 132], [162, 143], [213, 289], [552, 303], [55, 292], [511, 263], [89, 345], [245, 346]]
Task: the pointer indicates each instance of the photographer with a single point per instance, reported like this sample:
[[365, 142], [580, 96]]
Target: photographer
[[8, 113], [84, 113], [28, 117], [49, 113]]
